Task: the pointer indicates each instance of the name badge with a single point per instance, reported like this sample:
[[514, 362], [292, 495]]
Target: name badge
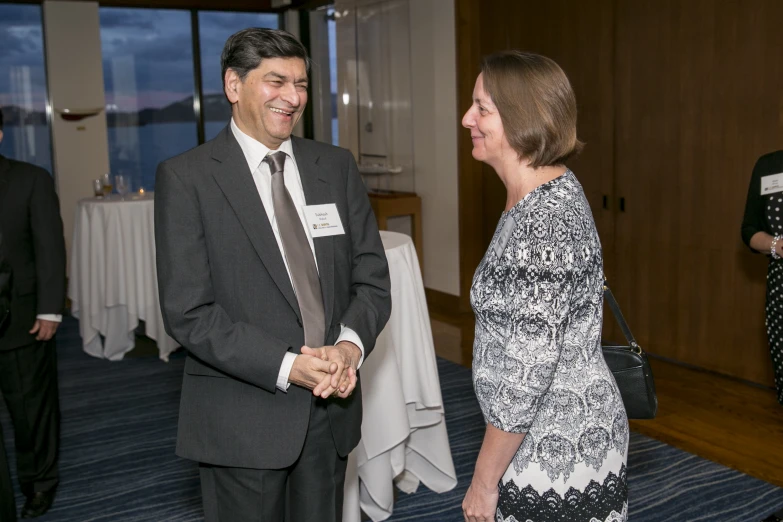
[[772, 184], [323, 220], [505, 235]]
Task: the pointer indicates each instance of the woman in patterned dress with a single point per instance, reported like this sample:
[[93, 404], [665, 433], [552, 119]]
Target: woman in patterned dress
[[556, 441], [762, 231]]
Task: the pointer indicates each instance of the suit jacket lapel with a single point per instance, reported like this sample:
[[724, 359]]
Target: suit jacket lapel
[[236, 181], [317, 191]]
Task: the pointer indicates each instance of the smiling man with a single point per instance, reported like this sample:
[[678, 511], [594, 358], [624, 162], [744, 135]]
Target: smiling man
[[273, 276]]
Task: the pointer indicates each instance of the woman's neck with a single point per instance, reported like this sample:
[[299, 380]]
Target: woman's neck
[[520, 179]]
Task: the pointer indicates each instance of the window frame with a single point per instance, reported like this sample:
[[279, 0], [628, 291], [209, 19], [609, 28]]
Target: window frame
[[48, 98], [193, 7]]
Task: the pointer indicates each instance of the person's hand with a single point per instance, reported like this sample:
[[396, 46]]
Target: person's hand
[[324, 388], [44, 329], [779, 248], [343, 380], [309, 372], [480, 503]]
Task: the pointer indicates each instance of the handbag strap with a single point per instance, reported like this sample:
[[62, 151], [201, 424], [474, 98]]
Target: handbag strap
[[609, 296]]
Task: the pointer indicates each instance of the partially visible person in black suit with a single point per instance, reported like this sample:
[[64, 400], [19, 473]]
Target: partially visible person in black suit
[[33, 235], [5, 287], [7, 505]]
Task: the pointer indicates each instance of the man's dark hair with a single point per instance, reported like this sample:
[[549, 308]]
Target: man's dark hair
[[1, 118], [245, 50]]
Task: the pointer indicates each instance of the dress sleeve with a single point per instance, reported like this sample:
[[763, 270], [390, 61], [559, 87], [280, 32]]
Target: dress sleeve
[[541, 276], [753, 220]]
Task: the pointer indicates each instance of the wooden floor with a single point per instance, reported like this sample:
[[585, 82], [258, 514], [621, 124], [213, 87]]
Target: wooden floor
[[731, 422]]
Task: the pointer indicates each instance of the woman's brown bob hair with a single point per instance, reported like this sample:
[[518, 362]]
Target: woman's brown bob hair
[[536, 105]]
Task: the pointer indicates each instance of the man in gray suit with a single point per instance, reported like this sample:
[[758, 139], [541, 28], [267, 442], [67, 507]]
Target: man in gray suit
[[273, 276]]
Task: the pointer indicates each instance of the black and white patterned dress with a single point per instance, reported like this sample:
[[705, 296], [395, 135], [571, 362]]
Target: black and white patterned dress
[[774, 306], [538, 366], [764, 213]]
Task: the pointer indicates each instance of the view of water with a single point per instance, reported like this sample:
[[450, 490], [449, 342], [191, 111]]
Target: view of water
[[137, 151], [133, 151], [30, 143]]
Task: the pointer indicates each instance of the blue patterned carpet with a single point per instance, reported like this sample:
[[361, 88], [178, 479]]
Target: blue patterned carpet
[[118, 464]]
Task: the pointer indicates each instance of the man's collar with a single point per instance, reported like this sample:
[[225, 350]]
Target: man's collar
[[254, 150]]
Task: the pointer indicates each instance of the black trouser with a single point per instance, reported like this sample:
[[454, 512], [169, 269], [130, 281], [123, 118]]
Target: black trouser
[[7, 503], [28, 380], [311, 490]]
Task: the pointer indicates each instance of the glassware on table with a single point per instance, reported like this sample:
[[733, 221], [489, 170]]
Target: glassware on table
[[97, 188], [122, 184], [107, 186]]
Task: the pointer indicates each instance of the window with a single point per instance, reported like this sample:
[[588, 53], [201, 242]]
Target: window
[[332, 28], [26, 135], [323, 49], [148, 70], [149, 80], [215, 27]]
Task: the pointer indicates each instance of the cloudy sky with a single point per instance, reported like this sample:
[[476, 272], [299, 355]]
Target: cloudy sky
[[147, 53], [21, 58]]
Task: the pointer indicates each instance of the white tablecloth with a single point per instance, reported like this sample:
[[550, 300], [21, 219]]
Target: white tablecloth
[[404, 438], [113, 283]]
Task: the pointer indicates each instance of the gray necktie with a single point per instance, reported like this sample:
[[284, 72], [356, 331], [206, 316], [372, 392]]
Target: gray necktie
[[298, 254]]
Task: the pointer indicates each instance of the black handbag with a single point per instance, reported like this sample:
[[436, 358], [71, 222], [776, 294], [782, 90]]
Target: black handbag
[[630, 368]]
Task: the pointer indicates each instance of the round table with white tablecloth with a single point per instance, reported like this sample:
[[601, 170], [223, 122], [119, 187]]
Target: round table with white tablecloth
[[404, 437], [113, 282]]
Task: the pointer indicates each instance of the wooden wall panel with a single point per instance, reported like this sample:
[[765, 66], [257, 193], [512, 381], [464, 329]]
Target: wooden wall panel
[[579, 37], [676, 102], [697, 101], [470, 178]]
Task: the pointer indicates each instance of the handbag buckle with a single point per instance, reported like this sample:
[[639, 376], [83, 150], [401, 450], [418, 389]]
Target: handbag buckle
[[636, 348]]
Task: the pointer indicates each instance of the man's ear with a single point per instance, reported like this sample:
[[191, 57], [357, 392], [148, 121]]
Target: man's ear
[[231, 85], [1, 136]]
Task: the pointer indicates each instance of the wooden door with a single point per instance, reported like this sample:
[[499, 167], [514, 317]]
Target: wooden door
[[697, 91], [578, 36]]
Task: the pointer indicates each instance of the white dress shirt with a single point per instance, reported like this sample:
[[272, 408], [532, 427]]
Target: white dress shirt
[[255, 152], [55, 318]]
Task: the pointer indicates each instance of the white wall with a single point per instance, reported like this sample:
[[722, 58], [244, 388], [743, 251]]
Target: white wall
[[75, 80], [435, 127], [430, 119]]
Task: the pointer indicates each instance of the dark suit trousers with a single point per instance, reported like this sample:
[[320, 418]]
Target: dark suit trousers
[[7, 502], [311, 490], [28, 380]]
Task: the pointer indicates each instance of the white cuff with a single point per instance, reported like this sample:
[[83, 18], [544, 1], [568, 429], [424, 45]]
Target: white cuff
[[346, 334], [285, 371], [56, 318]]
